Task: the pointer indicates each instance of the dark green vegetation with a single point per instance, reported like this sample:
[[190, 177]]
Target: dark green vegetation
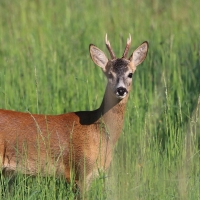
[[45, 67]]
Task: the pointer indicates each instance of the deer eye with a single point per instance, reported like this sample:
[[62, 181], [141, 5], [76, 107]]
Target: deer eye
[[110, 75], [130, 75]]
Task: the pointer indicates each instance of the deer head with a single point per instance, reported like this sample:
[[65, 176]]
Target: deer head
[[119, 71]]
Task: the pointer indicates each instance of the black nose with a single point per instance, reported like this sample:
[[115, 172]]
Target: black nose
[[121, 91]]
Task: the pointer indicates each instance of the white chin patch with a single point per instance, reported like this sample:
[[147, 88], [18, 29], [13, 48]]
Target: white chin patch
[[121, 96]]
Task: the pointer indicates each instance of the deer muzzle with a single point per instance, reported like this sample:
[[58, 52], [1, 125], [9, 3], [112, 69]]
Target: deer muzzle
[[121, 92]]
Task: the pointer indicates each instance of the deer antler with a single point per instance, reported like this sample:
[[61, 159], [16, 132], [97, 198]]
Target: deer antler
[[127, 47], [112, 54]]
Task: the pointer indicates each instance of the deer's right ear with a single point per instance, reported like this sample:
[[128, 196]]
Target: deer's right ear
[[98, 56]]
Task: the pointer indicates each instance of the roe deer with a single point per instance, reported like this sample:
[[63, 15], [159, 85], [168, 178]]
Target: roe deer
[[79, 142]]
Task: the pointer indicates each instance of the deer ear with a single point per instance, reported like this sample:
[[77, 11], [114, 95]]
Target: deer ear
[[98, 57], [139, 55]]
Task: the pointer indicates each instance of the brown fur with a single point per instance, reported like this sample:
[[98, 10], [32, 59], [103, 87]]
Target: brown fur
[[81, 142]]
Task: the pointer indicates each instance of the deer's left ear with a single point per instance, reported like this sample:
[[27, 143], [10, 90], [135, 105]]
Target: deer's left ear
[[139, 55]]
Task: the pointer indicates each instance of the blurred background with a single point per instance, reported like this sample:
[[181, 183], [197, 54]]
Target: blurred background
[[45, 67]]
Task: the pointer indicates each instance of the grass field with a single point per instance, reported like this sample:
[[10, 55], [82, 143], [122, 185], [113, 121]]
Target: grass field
[[45, 67]]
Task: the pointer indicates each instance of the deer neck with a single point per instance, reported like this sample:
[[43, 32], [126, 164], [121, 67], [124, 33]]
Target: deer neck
[[112, 114]]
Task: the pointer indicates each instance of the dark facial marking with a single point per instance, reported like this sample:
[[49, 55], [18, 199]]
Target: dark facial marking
[[120, 66]]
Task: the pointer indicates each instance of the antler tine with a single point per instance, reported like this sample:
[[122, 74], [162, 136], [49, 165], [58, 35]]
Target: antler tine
[[109, 48], [127, 47]]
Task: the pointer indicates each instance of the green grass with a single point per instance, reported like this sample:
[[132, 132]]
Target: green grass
[[46, 68]]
